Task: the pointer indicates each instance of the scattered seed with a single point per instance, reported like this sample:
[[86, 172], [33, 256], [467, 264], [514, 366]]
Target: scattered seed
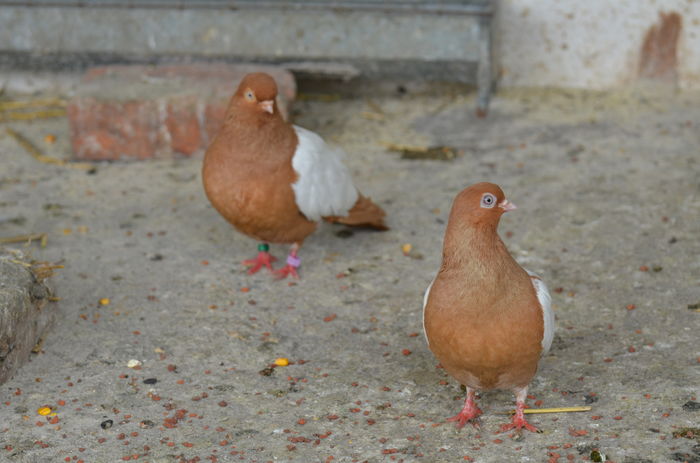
[[133, 363], [146, 424], [281, 362]]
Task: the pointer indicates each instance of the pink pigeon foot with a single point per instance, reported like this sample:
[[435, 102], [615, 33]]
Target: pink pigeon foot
[[519, 422], [293, 263], [470, 412], [263, 258]]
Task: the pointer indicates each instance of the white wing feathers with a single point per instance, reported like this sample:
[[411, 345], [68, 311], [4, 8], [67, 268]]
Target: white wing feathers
[[324, 186], [547, 313], [425, 302]]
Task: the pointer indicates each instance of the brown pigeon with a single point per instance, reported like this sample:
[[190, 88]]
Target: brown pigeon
[[487, 320], [274, 181]]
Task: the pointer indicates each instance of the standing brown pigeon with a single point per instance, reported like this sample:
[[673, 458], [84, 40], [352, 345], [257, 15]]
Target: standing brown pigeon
[[487, 320], [274, 181]]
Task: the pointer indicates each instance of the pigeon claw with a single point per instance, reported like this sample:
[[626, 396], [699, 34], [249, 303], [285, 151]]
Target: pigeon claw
[[519, 422], [286, 271], [467, 415], [263, 258]]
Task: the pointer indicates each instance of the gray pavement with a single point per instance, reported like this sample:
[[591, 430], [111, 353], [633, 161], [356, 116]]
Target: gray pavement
[[605, 184]]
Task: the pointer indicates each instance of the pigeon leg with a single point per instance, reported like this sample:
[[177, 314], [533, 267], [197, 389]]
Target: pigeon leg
[[519, 422], [470, 412], [293, 263], [263, 258]]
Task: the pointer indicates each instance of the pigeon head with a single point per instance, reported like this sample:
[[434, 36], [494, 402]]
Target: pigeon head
[[481, 204], [258, 92]]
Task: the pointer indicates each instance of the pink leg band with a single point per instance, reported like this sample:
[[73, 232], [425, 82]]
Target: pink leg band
[[293, 261]]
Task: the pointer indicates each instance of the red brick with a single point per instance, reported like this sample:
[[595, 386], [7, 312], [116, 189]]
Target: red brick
[[183, 125], [144, 112]]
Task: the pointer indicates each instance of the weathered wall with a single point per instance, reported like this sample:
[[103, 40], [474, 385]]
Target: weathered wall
[[598, 44], [595, 44]]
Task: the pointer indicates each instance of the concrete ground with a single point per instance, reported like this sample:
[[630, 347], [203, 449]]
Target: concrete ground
[[608, 195]]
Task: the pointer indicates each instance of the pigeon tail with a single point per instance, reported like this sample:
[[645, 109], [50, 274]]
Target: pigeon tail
[[363, 214]]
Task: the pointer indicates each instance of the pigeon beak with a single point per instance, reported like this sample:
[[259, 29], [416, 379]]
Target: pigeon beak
[[268, 106], [506, 205]]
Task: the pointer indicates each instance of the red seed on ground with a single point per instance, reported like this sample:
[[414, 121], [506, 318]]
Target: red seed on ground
[[617, 418], [406, 352], [631, 306], [330, 318]]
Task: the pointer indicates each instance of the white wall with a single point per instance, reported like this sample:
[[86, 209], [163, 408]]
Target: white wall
[[588, 43]]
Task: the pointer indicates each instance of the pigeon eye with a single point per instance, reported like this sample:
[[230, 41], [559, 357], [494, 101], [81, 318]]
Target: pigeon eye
[[488, 201], [249, 95]]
